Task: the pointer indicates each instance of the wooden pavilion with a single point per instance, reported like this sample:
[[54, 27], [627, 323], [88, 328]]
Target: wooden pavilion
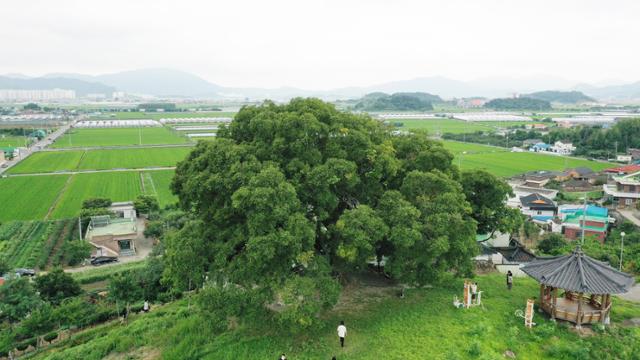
[[587, 285]]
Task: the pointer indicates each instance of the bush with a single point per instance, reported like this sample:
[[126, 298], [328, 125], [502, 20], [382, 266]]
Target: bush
[[50, 336]]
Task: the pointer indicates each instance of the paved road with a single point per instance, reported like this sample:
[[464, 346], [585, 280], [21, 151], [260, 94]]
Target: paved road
[[629, 215], [39, 146], [156, 168]]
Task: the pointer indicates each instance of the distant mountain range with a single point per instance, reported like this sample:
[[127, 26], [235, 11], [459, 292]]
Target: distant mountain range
[[174, 83]]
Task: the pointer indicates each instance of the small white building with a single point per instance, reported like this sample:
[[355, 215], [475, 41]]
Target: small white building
[[624, 158], [563, 148]]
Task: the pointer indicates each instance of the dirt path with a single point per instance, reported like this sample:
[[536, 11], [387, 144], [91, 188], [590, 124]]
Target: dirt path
[[155, 168], [57, 200]]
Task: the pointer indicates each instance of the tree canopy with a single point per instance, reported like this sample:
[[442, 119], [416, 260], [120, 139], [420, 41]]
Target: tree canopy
[[415, 101], [288, 195], [521, 103]]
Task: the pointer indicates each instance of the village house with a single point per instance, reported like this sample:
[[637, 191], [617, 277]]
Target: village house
[[503, 253], [112, 236], [624, 192], [623, 170], [538, 207], [562, 148], [595, 221], [540, 147]]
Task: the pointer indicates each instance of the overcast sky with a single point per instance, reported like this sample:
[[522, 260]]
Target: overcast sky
[[325, 44]]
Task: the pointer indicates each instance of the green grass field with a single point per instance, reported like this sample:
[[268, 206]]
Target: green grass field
[[502, 162], [11, 141], [442, 126], [135, 158], [157, 183], [119, 137], [459, 147], [48, 161], [423, 325], [117, 186], [132, 158], [28, 198]]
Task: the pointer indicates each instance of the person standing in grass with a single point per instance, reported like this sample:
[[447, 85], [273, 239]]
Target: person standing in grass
[[342, 332], [509, 279]]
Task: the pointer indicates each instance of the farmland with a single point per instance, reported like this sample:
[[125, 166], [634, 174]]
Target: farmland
[[119, 137], [459, 147], [157, 183], [132, 158], [505, 163], [48, 161], [11, 141], [35, 244], [117, 186], [52, 161], [442, 126], [27, 198]]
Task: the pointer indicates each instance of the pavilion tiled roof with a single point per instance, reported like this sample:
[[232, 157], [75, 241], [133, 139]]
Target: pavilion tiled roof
[[580, 273]]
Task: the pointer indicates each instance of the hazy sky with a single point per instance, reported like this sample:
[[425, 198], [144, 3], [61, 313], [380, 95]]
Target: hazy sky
[[325, 44]]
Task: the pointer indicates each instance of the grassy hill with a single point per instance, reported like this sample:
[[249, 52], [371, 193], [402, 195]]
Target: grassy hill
[[423, 325]]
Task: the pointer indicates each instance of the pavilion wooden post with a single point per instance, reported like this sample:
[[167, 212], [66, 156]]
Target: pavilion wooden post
[[541, 297], [554, 301], [579, 312]]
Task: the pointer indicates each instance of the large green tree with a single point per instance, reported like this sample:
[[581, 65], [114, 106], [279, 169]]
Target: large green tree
[[289, 195]]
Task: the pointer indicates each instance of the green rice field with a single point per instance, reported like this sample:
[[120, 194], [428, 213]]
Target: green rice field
[[157, 183], [442, 126], [11, 141], [506, 163], [136, 158], [119, 137], [28, 198], [117, 186], [132, 158], [48, 161]]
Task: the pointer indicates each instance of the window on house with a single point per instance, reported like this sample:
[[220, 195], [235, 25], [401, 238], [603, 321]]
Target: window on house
[[628, 201], [539, 212]]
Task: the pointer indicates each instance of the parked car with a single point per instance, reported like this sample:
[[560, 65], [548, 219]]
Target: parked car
[[101, 260], [25, 272]]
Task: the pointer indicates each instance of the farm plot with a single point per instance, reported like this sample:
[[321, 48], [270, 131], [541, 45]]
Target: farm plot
[[117, 186], [158, 183], [12, 141], [118, 137], [440, 126], [459, 147], [35, 244], [132, 158], [48, 161], [29, 197], [507, 164]]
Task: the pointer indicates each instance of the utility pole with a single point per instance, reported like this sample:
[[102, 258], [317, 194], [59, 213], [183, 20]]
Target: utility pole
[[80, 227], [622, 234], [584, 214]]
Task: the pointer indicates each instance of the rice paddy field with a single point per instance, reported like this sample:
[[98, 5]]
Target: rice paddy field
[[442, 126], [117, 186], [506, 163], [29, 197], [132, 158], [11, 141], [119, 137], [158, 183], [71, 160], [48, 161]]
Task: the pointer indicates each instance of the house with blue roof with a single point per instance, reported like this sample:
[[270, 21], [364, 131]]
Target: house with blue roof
[[540, 147]]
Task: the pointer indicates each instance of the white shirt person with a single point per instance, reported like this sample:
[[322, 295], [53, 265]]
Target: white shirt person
[[342, 332]]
